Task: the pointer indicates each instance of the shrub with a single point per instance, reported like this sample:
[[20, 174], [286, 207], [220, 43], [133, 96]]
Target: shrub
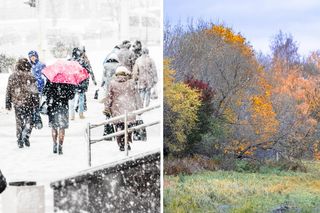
[[189, 165], [181, 104], [287, 165], [6, 63], [247, 165]]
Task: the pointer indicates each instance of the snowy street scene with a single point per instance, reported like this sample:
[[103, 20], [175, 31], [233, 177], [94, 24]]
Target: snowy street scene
[[90, 61]]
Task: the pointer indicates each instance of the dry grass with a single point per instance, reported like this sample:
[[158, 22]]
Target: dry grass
[[223, 191]]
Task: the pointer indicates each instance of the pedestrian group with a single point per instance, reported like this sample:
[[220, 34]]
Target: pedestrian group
[[128, 78]]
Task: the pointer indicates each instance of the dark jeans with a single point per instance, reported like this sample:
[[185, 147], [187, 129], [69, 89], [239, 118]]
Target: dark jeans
[[120, 139], [23, 123]]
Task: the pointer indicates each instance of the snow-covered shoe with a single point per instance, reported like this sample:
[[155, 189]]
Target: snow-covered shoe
[[27, 142], [60, 150], [20, 144], [81, 115], [55, 148]]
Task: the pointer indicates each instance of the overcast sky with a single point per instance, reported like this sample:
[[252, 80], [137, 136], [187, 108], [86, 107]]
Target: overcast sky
[[257, 20]]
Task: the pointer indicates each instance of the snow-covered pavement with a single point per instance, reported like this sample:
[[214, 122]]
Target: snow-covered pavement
[[38, 163]]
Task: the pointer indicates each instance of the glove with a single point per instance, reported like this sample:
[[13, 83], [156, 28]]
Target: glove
[[107, 112]]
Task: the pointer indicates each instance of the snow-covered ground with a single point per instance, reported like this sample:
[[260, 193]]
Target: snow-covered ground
[[38, 163]]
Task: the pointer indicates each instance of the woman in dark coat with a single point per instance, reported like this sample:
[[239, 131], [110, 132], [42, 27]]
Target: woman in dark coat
[[122, 96], [57, 98], [22, 92]]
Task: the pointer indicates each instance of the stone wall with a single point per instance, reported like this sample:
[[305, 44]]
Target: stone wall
[[131, 185]]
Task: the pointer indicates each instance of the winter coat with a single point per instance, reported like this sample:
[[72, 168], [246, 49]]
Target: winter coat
[[145, 72], [126, 58], [58, 96], [22, 90], [122, 96], [37, 68], [137, 53], [3, 182], [110, 65], [112, 55]]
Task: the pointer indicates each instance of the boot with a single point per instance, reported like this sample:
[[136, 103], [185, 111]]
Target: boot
[[129, 147], [27, 142], [60, 149], [121, 146], [81, 115], [20, 144], [72, 117], [55, 148]]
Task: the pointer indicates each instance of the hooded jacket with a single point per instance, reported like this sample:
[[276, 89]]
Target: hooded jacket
[[37, 68], [110, 65], [122, 96], [22, 88], [145, 72], [126, 58]]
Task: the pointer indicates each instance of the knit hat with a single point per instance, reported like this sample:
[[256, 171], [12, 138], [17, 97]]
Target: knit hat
[[23, 65], [121, 70], [76, 52], [33, 53], [126, 44]]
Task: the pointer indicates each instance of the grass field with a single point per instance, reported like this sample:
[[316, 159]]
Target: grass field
[[228, 191]]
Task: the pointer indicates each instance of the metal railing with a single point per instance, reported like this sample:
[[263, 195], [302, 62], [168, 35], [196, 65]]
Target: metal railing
[[118, 133]]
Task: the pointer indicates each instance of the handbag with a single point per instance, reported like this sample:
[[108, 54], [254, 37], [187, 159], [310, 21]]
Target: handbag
[[96, 94], [108, 128], [154, 93], [36, 120], [139, 134]]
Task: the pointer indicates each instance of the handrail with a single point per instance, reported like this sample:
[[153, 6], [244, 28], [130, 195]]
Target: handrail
[[131, 129], [122, 132], [136, 112]]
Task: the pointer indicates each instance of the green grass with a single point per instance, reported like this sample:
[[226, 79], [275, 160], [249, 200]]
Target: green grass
[[225, 191]]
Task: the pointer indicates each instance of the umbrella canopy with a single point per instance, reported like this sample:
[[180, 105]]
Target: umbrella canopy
[[66, 72]]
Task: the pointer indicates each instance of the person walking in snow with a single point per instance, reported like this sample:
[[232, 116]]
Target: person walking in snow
[[145, 74], [79, 99], [126, 56], [110, 65], [37, 68], [137, 49], [122, 96], [57, 97], [23, 93]]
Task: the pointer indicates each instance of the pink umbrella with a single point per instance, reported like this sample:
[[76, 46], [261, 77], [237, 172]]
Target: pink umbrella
[[66, 72]]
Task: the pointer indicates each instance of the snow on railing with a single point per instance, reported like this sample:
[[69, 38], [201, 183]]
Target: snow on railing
[[118, 133]]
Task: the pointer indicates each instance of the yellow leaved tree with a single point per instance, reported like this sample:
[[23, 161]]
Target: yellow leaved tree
[[181, 107]]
